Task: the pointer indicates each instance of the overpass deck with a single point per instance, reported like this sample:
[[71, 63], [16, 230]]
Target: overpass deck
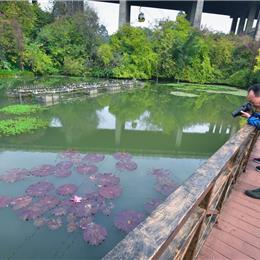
[[237, 233]]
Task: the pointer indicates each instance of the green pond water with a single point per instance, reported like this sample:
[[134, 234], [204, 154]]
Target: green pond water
[[159, 129]]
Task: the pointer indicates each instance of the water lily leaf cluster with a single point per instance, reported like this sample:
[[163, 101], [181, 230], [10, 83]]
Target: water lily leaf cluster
[[21, 109], [21, 125]]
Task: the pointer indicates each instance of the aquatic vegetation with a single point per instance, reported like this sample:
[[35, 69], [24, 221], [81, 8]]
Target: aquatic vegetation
[[64, 165], [21, 125], [71, 227], [43, 170], [39, 222], [21, 109], [127, 220], [84, 222], [54, 224], [14, 175], [59, 211], [110, 192], [48, 202], [66, 189], [94, 234], [105, 179], [183, 94], [122, 156], [86, 169], [126, 165], [62, 173], [21, 202], [4, 201], [161, 172], [93, 158], [40, 188], [71, 155]]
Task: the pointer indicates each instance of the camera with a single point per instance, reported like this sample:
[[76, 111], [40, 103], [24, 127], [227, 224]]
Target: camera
[[245, 108]]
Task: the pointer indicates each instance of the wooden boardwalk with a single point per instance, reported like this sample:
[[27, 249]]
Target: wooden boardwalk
[[236, 236]]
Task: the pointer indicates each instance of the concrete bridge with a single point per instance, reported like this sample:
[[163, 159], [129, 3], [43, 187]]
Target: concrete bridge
[[243, 13]]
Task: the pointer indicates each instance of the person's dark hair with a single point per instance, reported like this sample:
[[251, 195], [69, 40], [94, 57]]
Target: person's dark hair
[[256, 89]]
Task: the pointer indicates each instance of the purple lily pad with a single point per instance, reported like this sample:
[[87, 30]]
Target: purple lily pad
[[160, 172], [65, 165], [84, 222], [152, 205], [4, 201], [85, 208], [86, 169], [122, 156], [105, 179], [71, 227], [54, 224], [126, 165], [30, 213], [94, 234], [60, 211], [43, 170], [14, 175], [110, 192], [21, 202], [71, 217], [39, 222], [93, 158], [71, 155], [106, 209], [66, 189], [40, 188], [48, 202], [127, 220]]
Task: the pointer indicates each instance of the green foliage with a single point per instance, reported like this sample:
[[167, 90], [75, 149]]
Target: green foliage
[[37, 60], [21, 109], [240, 78], [21, 125], [73, 66]]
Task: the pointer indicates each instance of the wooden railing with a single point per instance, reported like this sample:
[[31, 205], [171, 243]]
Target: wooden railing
[[180, 225]]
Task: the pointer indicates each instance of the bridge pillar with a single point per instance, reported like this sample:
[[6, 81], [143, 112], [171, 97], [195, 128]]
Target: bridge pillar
[[250, 18], [234, 25], [257, 29], [196, 12], [241, 24], [124, 12]]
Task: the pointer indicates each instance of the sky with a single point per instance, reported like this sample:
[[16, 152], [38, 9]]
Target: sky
[[108, 15]]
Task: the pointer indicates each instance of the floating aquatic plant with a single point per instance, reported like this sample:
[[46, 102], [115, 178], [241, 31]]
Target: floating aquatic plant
[[84, 222], [110, 192], [105, 179], [62, 173], [127, 220], [71, 155], [21, 109], [86, 169], [21, 202], [160, 172], [14, 175], [126, 165], [39, 222], [71, 227], [21, 125], [94, 234], [64, 165], [66, 189], [122, 156], [48, 202], [54, 224], [4, 201], [93, 158], [40, 188], [59, 211], [43, 170]]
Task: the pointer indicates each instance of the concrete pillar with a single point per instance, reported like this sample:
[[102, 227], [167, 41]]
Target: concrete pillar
[[257, 29], [250, 18], [124, 12], [178, 137], [196, 13], [234, 25], [241, 24]]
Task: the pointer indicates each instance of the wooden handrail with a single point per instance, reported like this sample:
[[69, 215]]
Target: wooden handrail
[[179, 226]]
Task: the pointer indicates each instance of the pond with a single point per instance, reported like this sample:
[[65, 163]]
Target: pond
[[121, 154]]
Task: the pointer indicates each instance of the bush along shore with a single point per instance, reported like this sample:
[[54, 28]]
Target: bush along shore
[[33, 41]]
